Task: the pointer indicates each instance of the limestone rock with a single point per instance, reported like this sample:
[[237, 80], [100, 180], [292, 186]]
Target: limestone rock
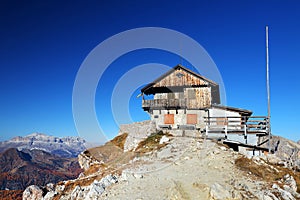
[[77, 193], [223, 148], [98, 187], [137, 132], [218, 192], [164, 139], [86, 161], [285, 195], [32, 192], [287, 150], [290, 182], [273, 159], [49, 195], [269, 196], [50, 187]]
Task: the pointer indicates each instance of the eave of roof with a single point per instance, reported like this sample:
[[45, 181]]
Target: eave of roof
[[239, 110], [179, 66]]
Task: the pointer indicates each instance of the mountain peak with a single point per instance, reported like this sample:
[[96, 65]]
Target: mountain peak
[[35, 134], [65, 147]]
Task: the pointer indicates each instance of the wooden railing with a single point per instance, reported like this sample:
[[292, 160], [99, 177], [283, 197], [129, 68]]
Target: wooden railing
[[164, 103], [242, 125]]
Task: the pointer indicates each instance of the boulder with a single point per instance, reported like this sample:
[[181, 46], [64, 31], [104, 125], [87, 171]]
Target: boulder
[[50, 187], [32, 192], [95, 190], [223, 148], [164, 139]]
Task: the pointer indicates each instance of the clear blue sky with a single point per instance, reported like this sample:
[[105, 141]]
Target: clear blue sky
[[43, 43]]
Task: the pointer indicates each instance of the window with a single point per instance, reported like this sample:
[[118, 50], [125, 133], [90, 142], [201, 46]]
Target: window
[[169, 118], [191, 118]]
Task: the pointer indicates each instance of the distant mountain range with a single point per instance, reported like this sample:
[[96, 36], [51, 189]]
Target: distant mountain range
[[38, 159], [19, 169], [64, 147]]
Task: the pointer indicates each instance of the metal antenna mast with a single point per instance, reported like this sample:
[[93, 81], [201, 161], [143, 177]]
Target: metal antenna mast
[[268, 86]]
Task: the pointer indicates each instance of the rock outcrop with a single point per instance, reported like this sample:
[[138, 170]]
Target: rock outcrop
[[137, 132], [286, 150], [86, 161], [33, 192]]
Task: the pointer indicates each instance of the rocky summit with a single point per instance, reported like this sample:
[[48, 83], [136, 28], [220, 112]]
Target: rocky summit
[[162, 166], [64, 147]]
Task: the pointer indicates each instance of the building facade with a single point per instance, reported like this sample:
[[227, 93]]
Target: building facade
[[183, 99]]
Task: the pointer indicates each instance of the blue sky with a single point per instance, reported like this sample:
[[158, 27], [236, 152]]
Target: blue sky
[[43, 44]]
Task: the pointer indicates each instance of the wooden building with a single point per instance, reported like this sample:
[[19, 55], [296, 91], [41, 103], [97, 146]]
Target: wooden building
[[182, 99]]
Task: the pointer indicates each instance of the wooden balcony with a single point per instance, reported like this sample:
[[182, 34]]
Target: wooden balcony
[[164, 103]]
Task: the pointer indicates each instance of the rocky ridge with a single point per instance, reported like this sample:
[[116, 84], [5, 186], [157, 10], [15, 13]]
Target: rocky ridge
[[165, 167], [64, 147], [287, 151]]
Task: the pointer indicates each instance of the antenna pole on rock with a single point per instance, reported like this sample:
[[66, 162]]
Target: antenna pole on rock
[[268, 87]]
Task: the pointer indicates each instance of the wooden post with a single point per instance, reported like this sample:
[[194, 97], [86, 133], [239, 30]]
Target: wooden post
[[245, 132]]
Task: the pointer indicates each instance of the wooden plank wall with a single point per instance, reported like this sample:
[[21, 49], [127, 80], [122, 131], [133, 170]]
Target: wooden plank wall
[[185, 79], [202, 98]]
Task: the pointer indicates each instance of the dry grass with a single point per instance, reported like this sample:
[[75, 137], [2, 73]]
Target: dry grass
[[94, 169], [265, 172], [111, 155], [120, 140], [151, 143]]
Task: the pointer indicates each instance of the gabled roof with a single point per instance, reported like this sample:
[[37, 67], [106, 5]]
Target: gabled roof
[[179, 66]]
